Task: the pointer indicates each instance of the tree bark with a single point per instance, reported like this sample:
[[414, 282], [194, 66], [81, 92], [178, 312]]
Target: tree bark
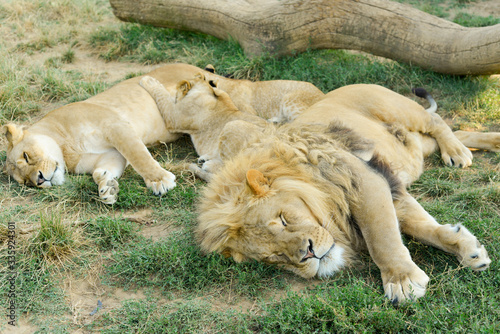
[[380, 27]]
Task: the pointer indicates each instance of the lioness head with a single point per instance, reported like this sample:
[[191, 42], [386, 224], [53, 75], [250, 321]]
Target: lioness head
[[33, 159], [275, 220]]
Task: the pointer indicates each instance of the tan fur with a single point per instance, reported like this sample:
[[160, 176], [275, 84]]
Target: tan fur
[[106, 132], [310, 195], [197, 108]]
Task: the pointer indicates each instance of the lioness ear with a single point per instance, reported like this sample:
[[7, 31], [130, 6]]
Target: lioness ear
[[257, 182], [13, 133], [184, 87]]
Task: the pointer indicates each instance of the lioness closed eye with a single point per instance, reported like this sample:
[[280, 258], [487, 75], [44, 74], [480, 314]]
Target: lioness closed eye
[[309, 196]]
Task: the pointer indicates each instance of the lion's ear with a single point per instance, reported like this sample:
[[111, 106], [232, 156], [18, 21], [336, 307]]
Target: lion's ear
[[257, 182], [13, 133]]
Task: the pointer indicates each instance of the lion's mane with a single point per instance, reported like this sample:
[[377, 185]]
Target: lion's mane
[[311, 160]]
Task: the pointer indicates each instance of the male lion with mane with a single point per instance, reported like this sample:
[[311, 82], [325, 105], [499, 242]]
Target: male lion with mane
[[310, 195]]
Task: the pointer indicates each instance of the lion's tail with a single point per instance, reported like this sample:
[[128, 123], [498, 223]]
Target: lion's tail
[[421, 92]]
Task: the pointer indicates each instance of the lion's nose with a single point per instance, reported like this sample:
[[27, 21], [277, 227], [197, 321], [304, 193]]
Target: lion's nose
[[310, 252], [40, 179]]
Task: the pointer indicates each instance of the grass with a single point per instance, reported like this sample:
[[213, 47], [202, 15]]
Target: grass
[[64, 233]]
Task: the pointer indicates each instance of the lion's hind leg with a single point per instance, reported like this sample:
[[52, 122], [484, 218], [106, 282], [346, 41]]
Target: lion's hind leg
[[454, 239], [483, 141]]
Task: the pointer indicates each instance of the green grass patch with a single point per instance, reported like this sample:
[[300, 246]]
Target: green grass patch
[[54, 241], [110, 233], [176, 264], [469, 20], [149, 316]]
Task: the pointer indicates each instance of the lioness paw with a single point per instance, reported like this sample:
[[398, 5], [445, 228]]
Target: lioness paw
[[107, 186], [162, 185], [401, 287], [108, 193]]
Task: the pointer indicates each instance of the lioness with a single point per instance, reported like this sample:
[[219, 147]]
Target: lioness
[[311, 194], [104, 133]]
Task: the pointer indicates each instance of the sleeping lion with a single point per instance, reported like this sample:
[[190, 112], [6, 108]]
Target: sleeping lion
[[105, 133], [311, 194]]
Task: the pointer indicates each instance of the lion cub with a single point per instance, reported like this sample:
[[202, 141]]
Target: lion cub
[[198, 108]]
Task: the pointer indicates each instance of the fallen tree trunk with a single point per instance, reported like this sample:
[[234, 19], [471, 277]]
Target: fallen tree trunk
[[380, 27]]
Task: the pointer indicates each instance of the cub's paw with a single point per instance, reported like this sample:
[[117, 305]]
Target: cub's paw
[[455, 154], [107, 186], [149, 83], [471, 253], [161, 185], [200, 172], [399, 287], [203, 158]]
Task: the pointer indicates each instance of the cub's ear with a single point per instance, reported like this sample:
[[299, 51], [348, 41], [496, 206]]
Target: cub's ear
[[257, 182], [184, 87], [219, 92], [210, 68], [213, 83], [13, 133], [237, 256], [200, 76]]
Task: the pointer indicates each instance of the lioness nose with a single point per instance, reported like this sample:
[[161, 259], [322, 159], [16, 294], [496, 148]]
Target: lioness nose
[[40, 179]]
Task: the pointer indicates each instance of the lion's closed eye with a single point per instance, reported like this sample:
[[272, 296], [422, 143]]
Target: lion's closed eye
[[283, 220]]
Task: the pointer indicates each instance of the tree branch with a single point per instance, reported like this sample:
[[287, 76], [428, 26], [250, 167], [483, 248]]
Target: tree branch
[[381, 27]]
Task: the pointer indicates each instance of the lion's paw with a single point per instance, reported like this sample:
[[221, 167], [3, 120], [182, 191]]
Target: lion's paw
[[455, 154], [471, 253], [107, 186], [163, 184], [401, 287]]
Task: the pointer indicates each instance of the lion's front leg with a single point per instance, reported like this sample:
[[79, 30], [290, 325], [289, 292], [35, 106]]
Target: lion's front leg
[[454, 239], [376, 218]]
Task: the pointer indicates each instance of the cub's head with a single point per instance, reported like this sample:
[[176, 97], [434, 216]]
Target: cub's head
[[280, 220], [32, 159], [201, 94]]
